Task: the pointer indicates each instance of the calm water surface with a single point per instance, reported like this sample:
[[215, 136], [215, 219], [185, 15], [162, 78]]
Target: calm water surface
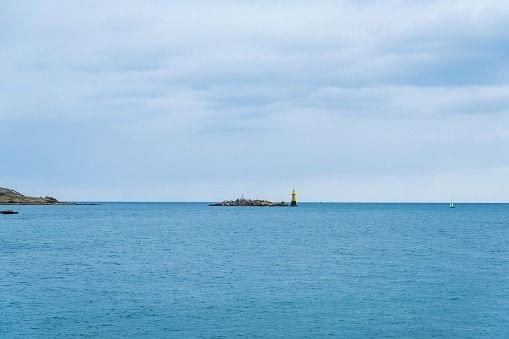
[[189, 270]]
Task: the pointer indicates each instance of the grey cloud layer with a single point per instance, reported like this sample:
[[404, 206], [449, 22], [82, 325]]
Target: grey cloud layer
[[271, 52]]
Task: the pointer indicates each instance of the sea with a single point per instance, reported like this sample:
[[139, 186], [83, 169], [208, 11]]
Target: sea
[[187, 270]]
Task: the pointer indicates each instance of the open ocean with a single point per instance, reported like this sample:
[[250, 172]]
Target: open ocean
[[187, 270]]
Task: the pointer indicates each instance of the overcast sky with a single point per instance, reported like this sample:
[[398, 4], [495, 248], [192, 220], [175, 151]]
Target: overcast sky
[[207, 100]]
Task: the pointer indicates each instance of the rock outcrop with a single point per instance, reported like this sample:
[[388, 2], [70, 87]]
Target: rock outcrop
[[9, 196], [249, 202]]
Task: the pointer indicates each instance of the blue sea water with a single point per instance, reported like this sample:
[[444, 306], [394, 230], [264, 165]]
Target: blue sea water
[[188, 270]]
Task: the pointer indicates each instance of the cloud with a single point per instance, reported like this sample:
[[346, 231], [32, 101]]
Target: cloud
[[162, 92]]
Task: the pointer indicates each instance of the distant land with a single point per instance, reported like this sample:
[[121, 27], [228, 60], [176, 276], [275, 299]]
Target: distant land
[[257, 202], [10, 196]]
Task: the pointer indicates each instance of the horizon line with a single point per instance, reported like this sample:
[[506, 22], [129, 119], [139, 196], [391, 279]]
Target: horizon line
[[300, 202]]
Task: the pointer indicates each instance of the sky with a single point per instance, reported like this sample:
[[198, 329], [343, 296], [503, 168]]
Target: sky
[[207, 100]]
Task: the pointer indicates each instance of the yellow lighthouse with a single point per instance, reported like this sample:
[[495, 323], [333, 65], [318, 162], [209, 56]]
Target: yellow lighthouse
[[294, 199]]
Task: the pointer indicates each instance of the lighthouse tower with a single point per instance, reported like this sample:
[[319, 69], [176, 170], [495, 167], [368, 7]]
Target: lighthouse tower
[[294, 199]]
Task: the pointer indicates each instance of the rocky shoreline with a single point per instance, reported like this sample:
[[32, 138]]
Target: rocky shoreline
[[249, 202], [12, 197]]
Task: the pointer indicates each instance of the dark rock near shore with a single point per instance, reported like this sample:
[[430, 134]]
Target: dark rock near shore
[[249, 202], [9, 196], [8, 212]]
